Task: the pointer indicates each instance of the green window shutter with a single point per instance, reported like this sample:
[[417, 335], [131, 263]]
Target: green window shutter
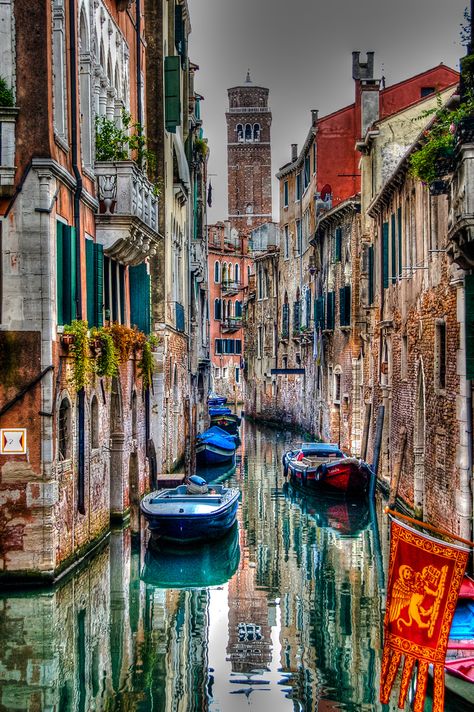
[[342, 307], [60, 272], [385, 255], [469, 297], [90, 282], [371, 274], [394, 252], [400, 262], [72, 293], [338, 245], [98, 285], [330, 310], [172, 94], [140, 297]]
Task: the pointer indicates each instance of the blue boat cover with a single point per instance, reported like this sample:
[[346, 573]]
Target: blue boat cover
[[219, 411], [213, 431], [462, 627], [221, 441]]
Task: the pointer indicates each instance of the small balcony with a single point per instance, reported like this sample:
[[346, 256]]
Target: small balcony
[[461, 210], [7, 150], [231, 324], [230, 287], [127, 222]]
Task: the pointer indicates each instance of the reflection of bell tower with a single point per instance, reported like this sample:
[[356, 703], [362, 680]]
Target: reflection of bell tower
[[249, 171]]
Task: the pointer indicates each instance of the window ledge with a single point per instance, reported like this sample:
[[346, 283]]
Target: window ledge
[[61, 142]]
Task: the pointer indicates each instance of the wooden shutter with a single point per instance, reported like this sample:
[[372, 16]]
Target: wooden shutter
[[338, 245], [400, 261], [238, 346], [394, 249], [98, 284], [370, 260], [140, 297], [172, 94], [90, 282], [330, 311], [469, 297], [385, 255], [66, 272]]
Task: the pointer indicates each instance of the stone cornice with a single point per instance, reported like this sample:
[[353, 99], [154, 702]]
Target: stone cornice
[[65, 178]]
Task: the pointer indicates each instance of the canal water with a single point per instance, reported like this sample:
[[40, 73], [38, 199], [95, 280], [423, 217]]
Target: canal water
[[285, 613]]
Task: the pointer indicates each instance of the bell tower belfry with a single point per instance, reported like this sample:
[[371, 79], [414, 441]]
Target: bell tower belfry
[[249, 171]]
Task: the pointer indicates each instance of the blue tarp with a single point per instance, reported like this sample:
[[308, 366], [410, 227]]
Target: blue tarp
[[463, 621], [219, 411]]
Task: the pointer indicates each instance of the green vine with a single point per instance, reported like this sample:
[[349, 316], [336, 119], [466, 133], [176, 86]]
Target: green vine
[[82, 366], [146, 364], [439, 141], [6, 94], [107, 363]]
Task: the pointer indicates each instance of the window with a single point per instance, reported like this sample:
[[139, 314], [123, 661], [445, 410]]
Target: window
[[296, 315], [338, 244], [285, 320], [94, 423], [440, 354], [259, 342], [393, 247], [299, 238], [426, 91], [172, 93], [65, 272], [337, 384], [307, 171], [287, 243], [370, 267], [114, 291], [256, 132], [298, 186], [345, 306], [248, 132], [237, 374], [314, 157], [285, 194], [260, 283], [238, 346], [330, 301], [225, 372], [237, 272], [217, 309], [307, 322], [385, 255], [64, 430], [217, 272], [240, 132], [230, 273], [217, 372], [238, 309], [85, 94], [217, 346], [59, 69]]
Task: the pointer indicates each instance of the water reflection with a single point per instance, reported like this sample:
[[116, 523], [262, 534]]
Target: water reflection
[[285, 614]]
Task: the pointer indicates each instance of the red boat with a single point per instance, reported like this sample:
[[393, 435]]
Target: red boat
[[323, 466]]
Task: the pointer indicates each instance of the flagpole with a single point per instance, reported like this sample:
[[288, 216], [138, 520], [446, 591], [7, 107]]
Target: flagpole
[[443, 532]]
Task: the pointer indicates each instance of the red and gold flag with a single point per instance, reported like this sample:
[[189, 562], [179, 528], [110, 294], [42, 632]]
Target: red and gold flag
[[425, 575]]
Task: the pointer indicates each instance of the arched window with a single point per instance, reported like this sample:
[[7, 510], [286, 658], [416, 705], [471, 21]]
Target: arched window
[[237, 272], [238, 309], [240, 132], [248, 132], [217, 272], [249, 272], [224, 272], [230, 309], [256, 132], [260, 283], [94, 423], [64, 430], [231, 272], [85, 91], [217, 309], [59, 69]]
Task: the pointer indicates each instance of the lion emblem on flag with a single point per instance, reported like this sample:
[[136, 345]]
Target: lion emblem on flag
[[410, 592]]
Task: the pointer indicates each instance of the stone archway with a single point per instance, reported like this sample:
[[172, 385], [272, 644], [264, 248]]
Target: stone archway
[[419, 444], [117, 440]]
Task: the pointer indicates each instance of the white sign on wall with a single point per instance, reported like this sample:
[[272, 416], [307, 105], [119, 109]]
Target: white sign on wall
[[12, 441]]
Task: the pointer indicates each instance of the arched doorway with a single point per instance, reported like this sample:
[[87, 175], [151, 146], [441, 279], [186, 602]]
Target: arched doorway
[[419, 444]]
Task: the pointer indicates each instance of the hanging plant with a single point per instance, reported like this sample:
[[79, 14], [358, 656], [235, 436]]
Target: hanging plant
[[146, 364], [79, 351], [124, 340], [107, 363]]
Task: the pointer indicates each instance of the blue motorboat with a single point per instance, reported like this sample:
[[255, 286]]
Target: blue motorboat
[[215, 430], [209, 563], [219, 410], [191, 512], [216, 400], [213, 448], [227, 421]]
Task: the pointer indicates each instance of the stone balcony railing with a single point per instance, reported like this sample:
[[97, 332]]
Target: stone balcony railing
[[7, 150], [231, 324], [230, 287], [127, 222], [461, 209]]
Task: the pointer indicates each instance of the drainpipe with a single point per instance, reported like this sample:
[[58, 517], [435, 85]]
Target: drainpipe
[[138, 61], [77, 225]]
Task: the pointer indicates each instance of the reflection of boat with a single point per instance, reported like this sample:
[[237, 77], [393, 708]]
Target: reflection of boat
[[180, 515], [342, 515], [323, 466], [215, 446], [208, 564], [218, 473]]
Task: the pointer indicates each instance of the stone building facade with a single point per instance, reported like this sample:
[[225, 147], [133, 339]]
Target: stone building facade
[[82, 241]]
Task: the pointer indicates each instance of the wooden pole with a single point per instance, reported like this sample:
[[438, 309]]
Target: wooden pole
[[398, 468], [443, 532]]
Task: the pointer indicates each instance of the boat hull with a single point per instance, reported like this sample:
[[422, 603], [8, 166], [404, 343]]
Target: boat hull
[[344, 476], [217, 401], [189, 518], [229, 423], [208, 454]]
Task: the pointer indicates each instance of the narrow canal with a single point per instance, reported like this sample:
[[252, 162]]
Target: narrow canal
[[284, 614]]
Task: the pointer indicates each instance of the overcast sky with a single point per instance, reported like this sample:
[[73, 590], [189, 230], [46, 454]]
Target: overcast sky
[[302, 51]]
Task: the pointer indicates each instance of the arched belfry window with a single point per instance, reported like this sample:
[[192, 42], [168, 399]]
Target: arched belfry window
[[240, 132], [248, 132], [256, 132]]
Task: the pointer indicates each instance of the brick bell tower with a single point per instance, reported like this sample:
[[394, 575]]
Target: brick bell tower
[[249, 171]]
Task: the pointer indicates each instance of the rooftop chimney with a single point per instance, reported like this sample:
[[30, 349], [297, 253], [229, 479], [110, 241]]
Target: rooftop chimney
[[314, 116], [362, 70], [294, 151]]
